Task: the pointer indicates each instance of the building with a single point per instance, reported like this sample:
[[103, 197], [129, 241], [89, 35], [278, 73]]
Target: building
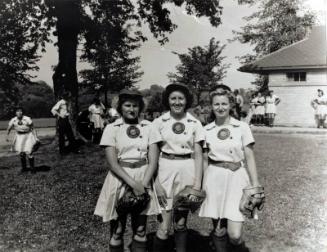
[[295, 73]]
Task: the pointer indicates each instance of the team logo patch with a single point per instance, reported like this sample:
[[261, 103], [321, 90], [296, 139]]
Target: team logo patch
[[178, 128], [133, 131], [20, 123], [223, 134]]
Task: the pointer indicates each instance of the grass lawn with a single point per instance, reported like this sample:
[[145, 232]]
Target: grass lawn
[[53, 209]]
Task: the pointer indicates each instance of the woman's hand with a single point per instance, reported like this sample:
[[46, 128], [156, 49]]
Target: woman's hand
[[138, 188], [161, 194]]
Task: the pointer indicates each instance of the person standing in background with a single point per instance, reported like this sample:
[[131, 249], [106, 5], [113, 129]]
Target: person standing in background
[[25, 138], [260, 109], [96, 111], [320, 106], [271, 103], [239, 102], [60, 110]]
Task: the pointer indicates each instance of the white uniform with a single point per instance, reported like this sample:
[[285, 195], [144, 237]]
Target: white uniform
[[97, 111], [271, 104], [176, 137], [24, 139], [260, 108], [320, 105], [223, 186], [131, 143], [60, 107]]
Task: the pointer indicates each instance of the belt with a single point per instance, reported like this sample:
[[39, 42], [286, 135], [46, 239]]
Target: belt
[[175, 156], [233, 166], [22, 132], [133, 165]]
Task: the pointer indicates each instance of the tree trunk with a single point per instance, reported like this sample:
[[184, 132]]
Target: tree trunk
[[68, 26]]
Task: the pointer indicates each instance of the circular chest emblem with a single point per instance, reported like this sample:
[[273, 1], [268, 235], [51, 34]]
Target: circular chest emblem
[[20, 123], [178, 128], [133, 131], [223, 134]]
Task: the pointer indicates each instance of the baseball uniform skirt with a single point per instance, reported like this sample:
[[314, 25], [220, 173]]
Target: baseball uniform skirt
[[113, 189], [24, 142], [174, 175], [321, 110], [260, 110], [224, 189]]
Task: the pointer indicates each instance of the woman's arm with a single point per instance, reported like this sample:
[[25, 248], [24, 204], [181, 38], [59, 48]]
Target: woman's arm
[[198, 163], [251, 165], [8, 132], [153, 157], [114, 166]]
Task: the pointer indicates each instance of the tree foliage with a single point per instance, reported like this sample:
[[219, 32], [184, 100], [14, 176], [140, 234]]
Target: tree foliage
[[276, 24], [201, 68]]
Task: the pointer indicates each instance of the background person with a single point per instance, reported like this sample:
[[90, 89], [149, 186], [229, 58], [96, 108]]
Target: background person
[[126, 143], [179, 137], [260, 109], [228, 150], [239, 102], [320, 105], [60, 110], [96, 110], [271, 104], [25, 138]]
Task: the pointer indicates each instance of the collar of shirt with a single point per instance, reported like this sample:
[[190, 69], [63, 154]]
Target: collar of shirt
[[232, 121], [189, 117]]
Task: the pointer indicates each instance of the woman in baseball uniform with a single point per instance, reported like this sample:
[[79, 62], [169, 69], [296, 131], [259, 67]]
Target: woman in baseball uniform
[[126, 143], [25, 138], [260, 109], [96, 111], [271, 103], [179, 136], [228, 150], [320, 106]]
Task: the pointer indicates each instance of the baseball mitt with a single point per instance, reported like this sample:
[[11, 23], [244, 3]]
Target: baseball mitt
[[252, 198], [36, 146], [183, 200], [131, 203]]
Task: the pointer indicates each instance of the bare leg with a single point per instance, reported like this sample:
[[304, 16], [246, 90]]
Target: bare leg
[[234, 231]]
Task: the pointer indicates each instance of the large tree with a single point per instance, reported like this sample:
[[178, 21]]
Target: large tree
[[201, 68], [276, 23], [23, 32]]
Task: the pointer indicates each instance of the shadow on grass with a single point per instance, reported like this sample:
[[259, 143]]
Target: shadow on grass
[[42, 168], [195, 242]]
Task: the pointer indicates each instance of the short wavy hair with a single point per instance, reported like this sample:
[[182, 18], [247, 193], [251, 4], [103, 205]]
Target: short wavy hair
[[123, 99], [230, 97]]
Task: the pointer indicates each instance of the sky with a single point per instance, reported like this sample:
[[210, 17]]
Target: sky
[[157, 61]]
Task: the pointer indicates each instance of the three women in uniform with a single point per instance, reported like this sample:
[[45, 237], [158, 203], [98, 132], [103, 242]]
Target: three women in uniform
[[170, 151], [320, 105]]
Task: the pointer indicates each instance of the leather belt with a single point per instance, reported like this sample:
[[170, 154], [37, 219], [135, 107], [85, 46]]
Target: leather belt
[[175, 156], [233, 166], [22, 132], [133, 165]]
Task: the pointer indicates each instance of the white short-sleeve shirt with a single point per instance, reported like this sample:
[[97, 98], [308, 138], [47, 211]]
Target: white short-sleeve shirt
[[177, 136], [227, 142], [23, 125], [130, 140], [60, 107], [94, 109]]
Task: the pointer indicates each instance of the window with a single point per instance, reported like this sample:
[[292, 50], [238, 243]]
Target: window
[[296, 76]]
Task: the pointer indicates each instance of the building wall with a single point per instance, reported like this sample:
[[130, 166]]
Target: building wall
[[295, 108]]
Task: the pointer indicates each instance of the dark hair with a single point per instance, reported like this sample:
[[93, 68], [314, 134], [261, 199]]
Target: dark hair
[[123, 99], [320, 90], [222, 86], [180, 88], [19, 108]]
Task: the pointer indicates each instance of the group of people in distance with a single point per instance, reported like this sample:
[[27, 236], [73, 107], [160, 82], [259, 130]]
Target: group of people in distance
[[263, 109], [319, 103], [169, 154]]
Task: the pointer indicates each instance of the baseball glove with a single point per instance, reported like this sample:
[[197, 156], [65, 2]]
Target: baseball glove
[[36, 146], [183, 201], [252, 198], [131, 203]]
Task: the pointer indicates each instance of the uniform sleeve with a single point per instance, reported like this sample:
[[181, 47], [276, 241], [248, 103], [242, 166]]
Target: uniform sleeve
[[55, 108], [199, 134], [90, 108], [247, 137], [108, 137], [155, 136], [11, 122], [29, 121]]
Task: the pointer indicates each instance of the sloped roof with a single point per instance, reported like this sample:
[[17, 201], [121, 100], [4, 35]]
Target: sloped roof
[[309, 53]]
